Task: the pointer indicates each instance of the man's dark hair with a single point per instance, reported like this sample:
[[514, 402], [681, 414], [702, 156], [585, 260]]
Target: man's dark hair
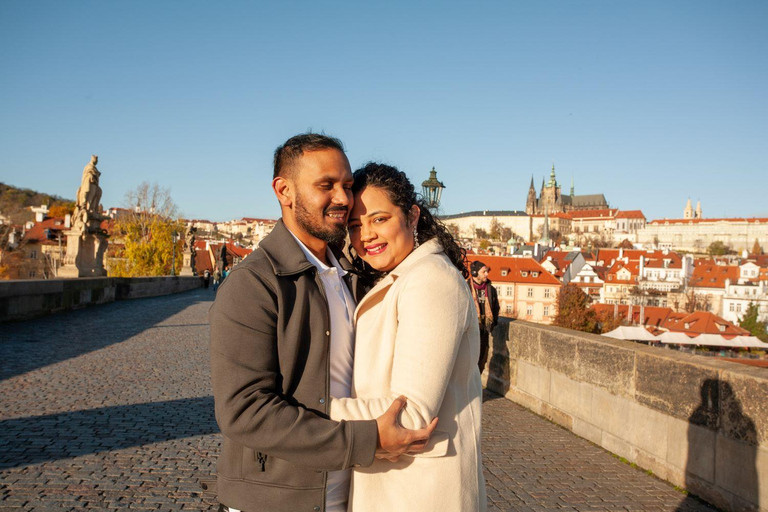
[[287, 154]]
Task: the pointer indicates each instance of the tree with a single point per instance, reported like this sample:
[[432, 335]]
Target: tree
[[718, 248], [481, 233], [484, 244], [573, 311], [61, 209], [147, 234], [453, 229], [625, 244], [756, 248], [507, 234], [495, 229], [750, 321]]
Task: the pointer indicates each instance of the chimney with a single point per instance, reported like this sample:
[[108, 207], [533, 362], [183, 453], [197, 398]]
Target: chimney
[[621, 253], [642, 265], [629, 314], [642, 315]]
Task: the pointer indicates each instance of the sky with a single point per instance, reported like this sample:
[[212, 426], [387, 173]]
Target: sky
[[647, 102]]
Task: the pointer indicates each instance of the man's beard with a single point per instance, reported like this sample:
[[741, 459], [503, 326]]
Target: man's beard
[[308, 222]]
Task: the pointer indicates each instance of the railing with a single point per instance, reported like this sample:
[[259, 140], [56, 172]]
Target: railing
[[20, 300], [697, 422]]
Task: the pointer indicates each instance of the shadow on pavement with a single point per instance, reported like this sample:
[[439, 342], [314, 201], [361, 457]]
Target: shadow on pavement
[[36, 439], [32, 344]]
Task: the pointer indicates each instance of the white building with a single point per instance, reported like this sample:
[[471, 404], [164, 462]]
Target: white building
[[747, 289], [697, 234]]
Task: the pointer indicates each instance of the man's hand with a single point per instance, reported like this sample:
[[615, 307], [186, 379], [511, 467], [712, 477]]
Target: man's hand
[[395, 440]]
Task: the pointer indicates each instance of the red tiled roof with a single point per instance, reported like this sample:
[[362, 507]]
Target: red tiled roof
[[558, 259], [514, 267], [633, 267], [630, 214], [653, 315], [707, 274], [702, 322], [37, 233], [607, 213], [751, 220]]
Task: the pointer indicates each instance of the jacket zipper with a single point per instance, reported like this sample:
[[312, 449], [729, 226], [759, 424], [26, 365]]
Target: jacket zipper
[[262, 459], [320, 285]]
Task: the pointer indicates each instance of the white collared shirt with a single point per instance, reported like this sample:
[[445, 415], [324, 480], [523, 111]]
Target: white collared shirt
[[341, 306]]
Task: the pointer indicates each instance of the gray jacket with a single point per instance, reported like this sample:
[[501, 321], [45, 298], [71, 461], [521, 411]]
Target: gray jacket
[[270, 367]]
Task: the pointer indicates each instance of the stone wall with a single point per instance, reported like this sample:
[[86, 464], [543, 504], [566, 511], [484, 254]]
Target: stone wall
[[20, 300], [701, 424]]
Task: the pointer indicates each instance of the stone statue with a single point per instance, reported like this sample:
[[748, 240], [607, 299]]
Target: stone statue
[[188, 265], [86, 241], [88, 197]]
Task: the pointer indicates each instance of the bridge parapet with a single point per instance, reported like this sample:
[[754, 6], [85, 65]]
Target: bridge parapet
[[701, 424], [20, 300]]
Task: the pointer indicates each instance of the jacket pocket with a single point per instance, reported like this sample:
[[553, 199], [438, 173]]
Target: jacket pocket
[[263, 468]]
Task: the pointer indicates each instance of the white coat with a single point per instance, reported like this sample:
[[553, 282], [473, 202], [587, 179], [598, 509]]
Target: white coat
[[417, 335]]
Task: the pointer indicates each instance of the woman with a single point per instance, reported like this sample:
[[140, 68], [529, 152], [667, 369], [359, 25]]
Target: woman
[[417, 335]]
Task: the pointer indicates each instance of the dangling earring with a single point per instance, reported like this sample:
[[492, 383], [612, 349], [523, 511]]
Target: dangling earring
[[415, 238]]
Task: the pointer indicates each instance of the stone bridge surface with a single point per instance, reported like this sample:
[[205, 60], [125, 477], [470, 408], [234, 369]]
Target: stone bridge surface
[[110, 408]]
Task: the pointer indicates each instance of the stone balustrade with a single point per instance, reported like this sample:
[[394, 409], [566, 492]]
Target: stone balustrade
[[20, 300], [699, 423]]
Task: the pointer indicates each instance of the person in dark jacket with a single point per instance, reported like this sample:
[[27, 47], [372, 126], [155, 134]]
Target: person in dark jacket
[[281, 335], [487, 305]]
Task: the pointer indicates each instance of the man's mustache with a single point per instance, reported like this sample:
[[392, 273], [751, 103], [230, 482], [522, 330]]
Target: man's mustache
[[336, 209]]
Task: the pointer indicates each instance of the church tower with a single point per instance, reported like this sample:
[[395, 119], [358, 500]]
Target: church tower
[[688, 212], [530, 203], [698, 209]]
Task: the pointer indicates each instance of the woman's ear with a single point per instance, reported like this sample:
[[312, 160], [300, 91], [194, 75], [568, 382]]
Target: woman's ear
[[414, 215]]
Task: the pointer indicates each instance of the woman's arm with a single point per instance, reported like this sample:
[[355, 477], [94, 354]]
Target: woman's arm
[[432, 312]]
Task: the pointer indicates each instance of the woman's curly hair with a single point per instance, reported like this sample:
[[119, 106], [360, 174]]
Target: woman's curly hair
[[402, 194]]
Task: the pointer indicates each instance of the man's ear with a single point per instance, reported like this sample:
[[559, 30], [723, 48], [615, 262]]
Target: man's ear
[[283, 188]]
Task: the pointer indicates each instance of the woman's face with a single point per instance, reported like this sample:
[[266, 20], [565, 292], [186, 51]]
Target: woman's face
[[379, 231]]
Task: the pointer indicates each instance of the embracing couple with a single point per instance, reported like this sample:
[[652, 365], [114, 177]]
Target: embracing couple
[[347, 383]]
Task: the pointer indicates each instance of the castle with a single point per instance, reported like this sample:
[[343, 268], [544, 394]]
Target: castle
[[551, 200]]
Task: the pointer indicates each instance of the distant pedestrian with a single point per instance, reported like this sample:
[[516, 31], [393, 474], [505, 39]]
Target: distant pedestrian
[[206, 278], [216, 279], [487, 305]]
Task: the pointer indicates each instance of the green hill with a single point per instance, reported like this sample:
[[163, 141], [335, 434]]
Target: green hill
[[14, 202]]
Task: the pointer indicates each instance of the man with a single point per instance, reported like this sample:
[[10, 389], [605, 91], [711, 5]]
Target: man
[[487, 305], [282, 344]]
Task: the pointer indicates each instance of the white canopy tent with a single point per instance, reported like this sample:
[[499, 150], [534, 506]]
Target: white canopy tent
[[632, 333], [711, 340]]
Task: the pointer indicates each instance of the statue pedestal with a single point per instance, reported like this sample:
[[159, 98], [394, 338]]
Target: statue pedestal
[[186, 268], [85, 254]]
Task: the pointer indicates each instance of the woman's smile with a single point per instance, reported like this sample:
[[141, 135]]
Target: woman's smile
[[375, 249]]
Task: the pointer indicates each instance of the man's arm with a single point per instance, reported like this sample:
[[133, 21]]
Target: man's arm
[[250, 408]]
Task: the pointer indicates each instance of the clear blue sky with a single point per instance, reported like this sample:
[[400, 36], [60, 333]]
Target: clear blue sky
[[647, 102]]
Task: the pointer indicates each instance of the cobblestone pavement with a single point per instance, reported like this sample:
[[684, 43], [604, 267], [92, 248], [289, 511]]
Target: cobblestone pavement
[[109, 408]]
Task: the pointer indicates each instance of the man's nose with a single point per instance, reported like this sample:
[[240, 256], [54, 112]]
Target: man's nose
[[341, 196]]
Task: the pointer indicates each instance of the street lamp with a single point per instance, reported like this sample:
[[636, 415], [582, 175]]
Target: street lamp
[[432, 190], [175, 238]]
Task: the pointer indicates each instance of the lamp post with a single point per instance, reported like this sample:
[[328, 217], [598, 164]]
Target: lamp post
[[175, 238], [432, 190]]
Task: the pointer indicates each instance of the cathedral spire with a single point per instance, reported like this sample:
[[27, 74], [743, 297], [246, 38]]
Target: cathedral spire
[[571, 186], [552, 178], [532, 187]]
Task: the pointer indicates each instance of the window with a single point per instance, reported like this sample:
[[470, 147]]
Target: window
[[508, 309], [732, 307], [546, 310], [33, 255], [504, 272], [529, 311], [524, 273], [508, 291], [738, 308], [534, 274], [530, 292], [32, 273], [547, 294]]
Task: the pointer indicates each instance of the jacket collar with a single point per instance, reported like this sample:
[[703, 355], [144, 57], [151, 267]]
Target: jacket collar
[[285, 255], [431, 246]]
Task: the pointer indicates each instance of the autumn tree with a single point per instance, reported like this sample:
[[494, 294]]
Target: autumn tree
[[146, 232], [625, 244], [718, 248], [751, 322], [573, 311], [495, 229], [756, 248]]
